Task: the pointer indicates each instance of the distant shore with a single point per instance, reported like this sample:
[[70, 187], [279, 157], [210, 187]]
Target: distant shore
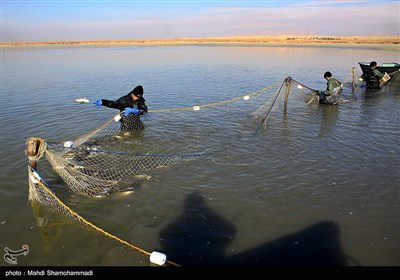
[[263, 40]]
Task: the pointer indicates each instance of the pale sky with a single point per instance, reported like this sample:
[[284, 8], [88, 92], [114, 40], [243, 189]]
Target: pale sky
[[69, 20]]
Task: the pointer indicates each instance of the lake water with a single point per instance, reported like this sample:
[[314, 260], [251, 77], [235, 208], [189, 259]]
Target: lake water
[[319, 186]]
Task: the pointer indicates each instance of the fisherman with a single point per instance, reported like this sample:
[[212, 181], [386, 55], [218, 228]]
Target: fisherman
[[332, 92], [132, 105], [372, 76]]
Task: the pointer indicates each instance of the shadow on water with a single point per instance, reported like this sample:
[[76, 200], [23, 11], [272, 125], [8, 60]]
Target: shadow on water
[[200, 236]]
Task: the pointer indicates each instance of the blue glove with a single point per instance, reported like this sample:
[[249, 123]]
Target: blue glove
[[128, 111], [98, 103]]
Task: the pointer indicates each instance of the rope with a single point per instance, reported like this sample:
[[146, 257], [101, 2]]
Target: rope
[[189, 155], [193, 108], [273, 103], [38, 181], [90, 132], [196, 108], [40, 146], [348, 75], [394, 72], [84, 221]]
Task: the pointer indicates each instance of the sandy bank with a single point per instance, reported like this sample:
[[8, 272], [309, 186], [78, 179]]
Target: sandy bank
[[282, 39]]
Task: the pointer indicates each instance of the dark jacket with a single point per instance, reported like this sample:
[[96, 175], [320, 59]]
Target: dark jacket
[[372, 78], [130, 122], [127, 101]]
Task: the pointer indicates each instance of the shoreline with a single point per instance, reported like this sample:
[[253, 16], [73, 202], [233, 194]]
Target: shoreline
[[236, 40]]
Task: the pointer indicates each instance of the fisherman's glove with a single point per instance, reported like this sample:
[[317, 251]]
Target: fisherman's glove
[[128, 111], [98, 103]]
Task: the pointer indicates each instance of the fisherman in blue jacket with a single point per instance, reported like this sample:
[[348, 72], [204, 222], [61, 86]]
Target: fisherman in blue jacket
[[132, 105]]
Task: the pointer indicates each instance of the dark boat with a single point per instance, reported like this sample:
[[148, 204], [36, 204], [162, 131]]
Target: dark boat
[[389, 68]]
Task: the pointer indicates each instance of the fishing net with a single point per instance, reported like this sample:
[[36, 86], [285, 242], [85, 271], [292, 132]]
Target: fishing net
[[92, 172], [394, 79], [91, 167]]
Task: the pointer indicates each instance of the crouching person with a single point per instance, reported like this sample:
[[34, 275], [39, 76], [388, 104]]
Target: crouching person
[[332, 92]]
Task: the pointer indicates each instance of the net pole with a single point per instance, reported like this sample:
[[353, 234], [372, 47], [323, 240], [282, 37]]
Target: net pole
[[265, 119], [35, 148], [287, 83]]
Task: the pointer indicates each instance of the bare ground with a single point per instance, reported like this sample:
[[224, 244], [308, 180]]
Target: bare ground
[[267, 40]]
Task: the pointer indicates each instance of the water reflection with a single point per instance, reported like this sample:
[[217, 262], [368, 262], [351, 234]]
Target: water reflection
[[329, 118], [48, 221]]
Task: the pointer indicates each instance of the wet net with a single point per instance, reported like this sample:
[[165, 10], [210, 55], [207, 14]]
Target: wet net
[[92, 168]]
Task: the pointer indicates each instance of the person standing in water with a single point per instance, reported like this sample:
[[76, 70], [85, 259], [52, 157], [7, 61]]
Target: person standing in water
[[132, 106]]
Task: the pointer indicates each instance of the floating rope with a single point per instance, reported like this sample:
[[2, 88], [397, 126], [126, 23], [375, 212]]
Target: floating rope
[[36, 180], [197, 108]]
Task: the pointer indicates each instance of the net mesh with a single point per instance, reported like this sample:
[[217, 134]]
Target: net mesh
[[91, 168], [97, 173]]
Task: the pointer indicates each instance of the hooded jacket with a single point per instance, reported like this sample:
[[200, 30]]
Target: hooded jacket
[[127, 101]]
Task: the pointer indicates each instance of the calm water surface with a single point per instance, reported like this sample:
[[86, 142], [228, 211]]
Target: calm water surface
[[318, 186]]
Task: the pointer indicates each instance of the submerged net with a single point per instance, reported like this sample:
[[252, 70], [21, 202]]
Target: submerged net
[[394, 79], [46, 205], [91, 168], [97, 173]]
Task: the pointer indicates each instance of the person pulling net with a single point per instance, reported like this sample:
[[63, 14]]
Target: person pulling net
[[132, 106], [333, 89]]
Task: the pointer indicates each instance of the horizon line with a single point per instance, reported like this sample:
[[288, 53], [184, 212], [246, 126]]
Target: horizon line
[[233, 38]]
